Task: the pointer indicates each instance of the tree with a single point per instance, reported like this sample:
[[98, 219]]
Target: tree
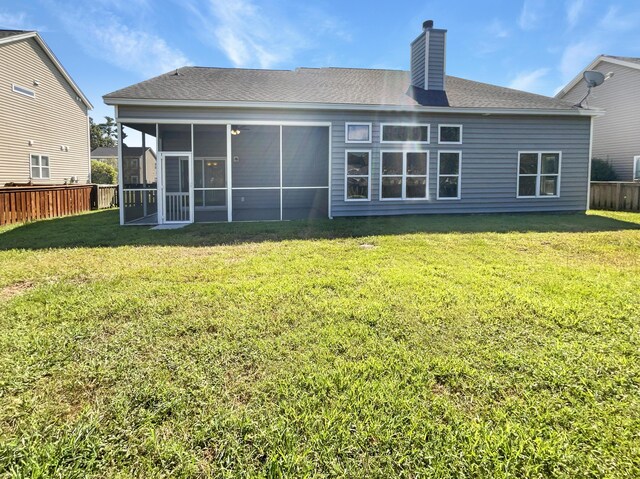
[[103, 134], [601, 170], [103, 173]]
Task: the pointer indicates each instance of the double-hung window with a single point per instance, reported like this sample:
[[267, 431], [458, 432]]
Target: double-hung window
[[538, 174], [403, 175], [39, 167], [449, 175], [357, 175]]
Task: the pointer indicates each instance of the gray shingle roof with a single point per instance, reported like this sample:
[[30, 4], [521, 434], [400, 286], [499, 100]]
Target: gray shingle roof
[[10, 33], [112, 152], [322, 85]]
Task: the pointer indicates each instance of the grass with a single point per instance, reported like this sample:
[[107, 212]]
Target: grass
[[471, 346]]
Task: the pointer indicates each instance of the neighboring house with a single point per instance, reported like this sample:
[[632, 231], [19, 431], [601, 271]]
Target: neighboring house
[[44, 132], [240, 144], [616, 136], [136, 166]]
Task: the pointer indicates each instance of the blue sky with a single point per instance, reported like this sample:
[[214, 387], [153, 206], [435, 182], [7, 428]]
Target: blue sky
[[533, 45]]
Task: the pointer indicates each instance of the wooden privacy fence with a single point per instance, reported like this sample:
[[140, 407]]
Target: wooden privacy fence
[[615, 195], [104, 196], [29, 203]]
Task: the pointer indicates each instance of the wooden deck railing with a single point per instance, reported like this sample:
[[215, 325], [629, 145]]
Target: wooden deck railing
[[615, 195]]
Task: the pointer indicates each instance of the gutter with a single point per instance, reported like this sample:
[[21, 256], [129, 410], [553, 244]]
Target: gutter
[[351, 107]]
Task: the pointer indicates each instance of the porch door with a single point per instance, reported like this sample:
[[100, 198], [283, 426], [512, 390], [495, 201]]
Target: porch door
[[177, 187]]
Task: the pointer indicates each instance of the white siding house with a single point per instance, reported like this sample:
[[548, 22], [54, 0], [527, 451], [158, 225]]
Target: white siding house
[[616, 135], [44, 137]]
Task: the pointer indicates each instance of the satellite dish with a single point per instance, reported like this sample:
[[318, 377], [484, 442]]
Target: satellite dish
[[593, 78]]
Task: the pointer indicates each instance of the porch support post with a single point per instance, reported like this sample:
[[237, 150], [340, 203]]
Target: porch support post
[[143, 159], [229, 162]]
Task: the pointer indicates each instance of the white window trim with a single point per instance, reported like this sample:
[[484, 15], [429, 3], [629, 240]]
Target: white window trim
[[636, 168], [31, 166], [17, 89], [539, 174], [428, 125], [449, 142], [347, 176], [404, 176], [459, 176], [358, 123]]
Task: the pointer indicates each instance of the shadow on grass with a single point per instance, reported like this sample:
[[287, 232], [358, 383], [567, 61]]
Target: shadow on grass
[[101, 229]]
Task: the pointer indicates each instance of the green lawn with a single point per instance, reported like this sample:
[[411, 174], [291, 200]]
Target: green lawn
[[470, 346]]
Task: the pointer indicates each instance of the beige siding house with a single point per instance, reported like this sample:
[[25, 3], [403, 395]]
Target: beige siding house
[[44, 123], [616, 135]]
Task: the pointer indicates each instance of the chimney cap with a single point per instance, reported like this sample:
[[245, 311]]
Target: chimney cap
[[427, 24]]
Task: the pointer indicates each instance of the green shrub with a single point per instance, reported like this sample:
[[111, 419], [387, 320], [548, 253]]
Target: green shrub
[[601, 170], [103, 174]]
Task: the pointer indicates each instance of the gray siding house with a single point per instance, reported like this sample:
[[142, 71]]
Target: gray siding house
[[44, 122], [242, 145], [616, 136]]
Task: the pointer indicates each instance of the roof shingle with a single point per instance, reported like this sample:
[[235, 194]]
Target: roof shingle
[[323, 85]]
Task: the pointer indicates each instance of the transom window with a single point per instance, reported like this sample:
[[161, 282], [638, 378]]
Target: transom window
[[538, 174], [358, 132], [449, 175], [40, 167], [403, 175], [358, 175], [450, 134], [23, 91], [405, 133]]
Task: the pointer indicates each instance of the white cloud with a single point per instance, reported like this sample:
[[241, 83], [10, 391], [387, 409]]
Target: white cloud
[[617, 22], [529, 80], [577, 56], [497, 30], [104, 35], [14, 21], [530, 14], [574, 11], [252, 36]]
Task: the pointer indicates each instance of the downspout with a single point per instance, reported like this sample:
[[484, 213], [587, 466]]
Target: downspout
[[589, 159]]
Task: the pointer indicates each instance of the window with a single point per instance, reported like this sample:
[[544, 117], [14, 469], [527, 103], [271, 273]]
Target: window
[[358, 132], [403, 175], [357, 175], [39, 167], [23, 91], [450, 134], [538, 174], [636, 168], [449, 175], [405, 133]]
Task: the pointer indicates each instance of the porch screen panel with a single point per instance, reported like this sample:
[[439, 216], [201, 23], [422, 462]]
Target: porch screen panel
[[139, 175], [255, 172], [305, 172], [210, 172]]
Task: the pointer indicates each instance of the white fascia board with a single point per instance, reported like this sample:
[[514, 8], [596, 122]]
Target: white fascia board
[[54, 60], [352, 107], [599, 59]]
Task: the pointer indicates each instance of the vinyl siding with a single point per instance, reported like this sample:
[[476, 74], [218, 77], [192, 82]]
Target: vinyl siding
[[51, 119], [418, 48], [435, 72], [616, 135], [489, 156]]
